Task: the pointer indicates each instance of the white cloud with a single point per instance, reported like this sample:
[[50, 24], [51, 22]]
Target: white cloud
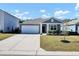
[[45, 16], [77, 6], [29, 18], [24, 18], [26, 12], [21, 15], [42, 11], [60, 13], [17, 11], [77, 10], [77, 15]]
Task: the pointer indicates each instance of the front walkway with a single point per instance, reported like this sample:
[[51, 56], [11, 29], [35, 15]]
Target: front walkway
[[21, 44]]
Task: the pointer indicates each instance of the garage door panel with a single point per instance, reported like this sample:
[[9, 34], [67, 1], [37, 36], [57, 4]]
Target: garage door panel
[[30, 29]]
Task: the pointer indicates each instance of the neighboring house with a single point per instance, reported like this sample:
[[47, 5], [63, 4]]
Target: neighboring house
[[8, 22], [41, 25], [73, 26]]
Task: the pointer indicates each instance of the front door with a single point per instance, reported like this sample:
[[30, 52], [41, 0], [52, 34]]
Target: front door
[[44, 28]]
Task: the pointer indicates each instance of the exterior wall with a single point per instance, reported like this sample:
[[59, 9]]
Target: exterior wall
[[10, 22], [47, 28], [40, 28], [71, 28], [78, 29], [1, 21], [47, 24], [62, 27]]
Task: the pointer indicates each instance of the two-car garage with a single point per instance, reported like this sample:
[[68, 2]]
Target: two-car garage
[[30, 29]]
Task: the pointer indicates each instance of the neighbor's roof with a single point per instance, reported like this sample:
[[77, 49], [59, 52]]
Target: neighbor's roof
[[75, 21], [42, 20]]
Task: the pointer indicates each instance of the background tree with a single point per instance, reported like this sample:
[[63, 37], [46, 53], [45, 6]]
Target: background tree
[[21, 21]]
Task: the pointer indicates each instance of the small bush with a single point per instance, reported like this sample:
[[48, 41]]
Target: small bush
[[17, 30], [69, 33], [73, 33], [65, 41], [54, 32], [1, 31]]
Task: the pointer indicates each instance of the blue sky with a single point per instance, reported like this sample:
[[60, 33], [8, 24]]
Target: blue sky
[[31, 10]]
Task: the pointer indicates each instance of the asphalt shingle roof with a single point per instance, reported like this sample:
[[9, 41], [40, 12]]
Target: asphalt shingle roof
[[42, 20], [75, 21]]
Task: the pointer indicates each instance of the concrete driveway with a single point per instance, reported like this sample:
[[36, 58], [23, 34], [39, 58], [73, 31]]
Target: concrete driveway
[[24, 44], [20, 44]]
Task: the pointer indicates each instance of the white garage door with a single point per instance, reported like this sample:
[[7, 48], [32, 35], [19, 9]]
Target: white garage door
[[30, 29]]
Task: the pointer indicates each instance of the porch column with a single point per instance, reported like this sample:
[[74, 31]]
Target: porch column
[[57, 27], [40, 28], [47, 28]]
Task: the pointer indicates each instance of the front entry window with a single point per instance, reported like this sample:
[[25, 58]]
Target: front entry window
[[53, 27]]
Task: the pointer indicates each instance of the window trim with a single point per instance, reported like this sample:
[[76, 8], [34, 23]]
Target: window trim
[[53, 27]]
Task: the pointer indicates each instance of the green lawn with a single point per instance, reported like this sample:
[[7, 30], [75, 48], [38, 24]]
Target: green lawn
[[53, 43], [4, 36]]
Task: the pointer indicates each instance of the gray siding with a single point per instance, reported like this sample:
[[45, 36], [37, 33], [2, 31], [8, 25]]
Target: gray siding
[[1, 20], [71, 28], [61, 27], [78, 29], [10, 22]]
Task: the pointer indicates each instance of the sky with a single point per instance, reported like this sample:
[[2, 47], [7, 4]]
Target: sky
[[44, 10]]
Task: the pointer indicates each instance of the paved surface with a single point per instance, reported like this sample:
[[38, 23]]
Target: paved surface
[[42, 52], [21, 44]]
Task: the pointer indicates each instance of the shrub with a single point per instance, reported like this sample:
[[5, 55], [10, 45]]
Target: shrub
[[73, 33], [65, 41], [53, 32], [69, 33], [1, 31], [17, 30]]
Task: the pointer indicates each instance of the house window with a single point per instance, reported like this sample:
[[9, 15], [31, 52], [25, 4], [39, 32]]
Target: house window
[[53, 27]]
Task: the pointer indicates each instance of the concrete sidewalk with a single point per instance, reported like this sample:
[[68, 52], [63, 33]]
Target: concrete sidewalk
[[42, 52], [21, 44]]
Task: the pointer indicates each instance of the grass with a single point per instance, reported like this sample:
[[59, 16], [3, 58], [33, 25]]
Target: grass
[[53, 43], [4, 36]]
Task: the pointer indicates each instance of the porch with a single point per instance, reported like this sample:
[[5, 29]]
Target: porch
[[46, 27]]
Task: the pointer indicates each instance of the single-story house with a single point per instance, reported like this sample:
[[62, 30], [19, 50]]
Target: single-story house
[[72, 26], [8, 22], [41, 25]]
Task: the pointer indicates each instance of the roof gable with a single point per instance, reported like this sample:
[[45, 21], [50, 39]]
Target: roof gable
[[53, 20]]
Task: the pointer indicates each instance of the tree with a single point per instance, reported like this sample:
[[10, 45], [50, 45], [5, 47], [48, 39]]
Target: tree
[[65, 29], [21, 21], [65, 32]]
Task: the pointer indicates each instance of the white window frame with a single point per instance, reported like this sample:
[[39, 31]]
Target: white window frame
[[52, 25]]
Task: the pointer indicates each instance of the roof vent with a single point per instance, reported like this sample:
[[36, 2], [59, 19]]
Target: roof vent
[[52, 20]]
